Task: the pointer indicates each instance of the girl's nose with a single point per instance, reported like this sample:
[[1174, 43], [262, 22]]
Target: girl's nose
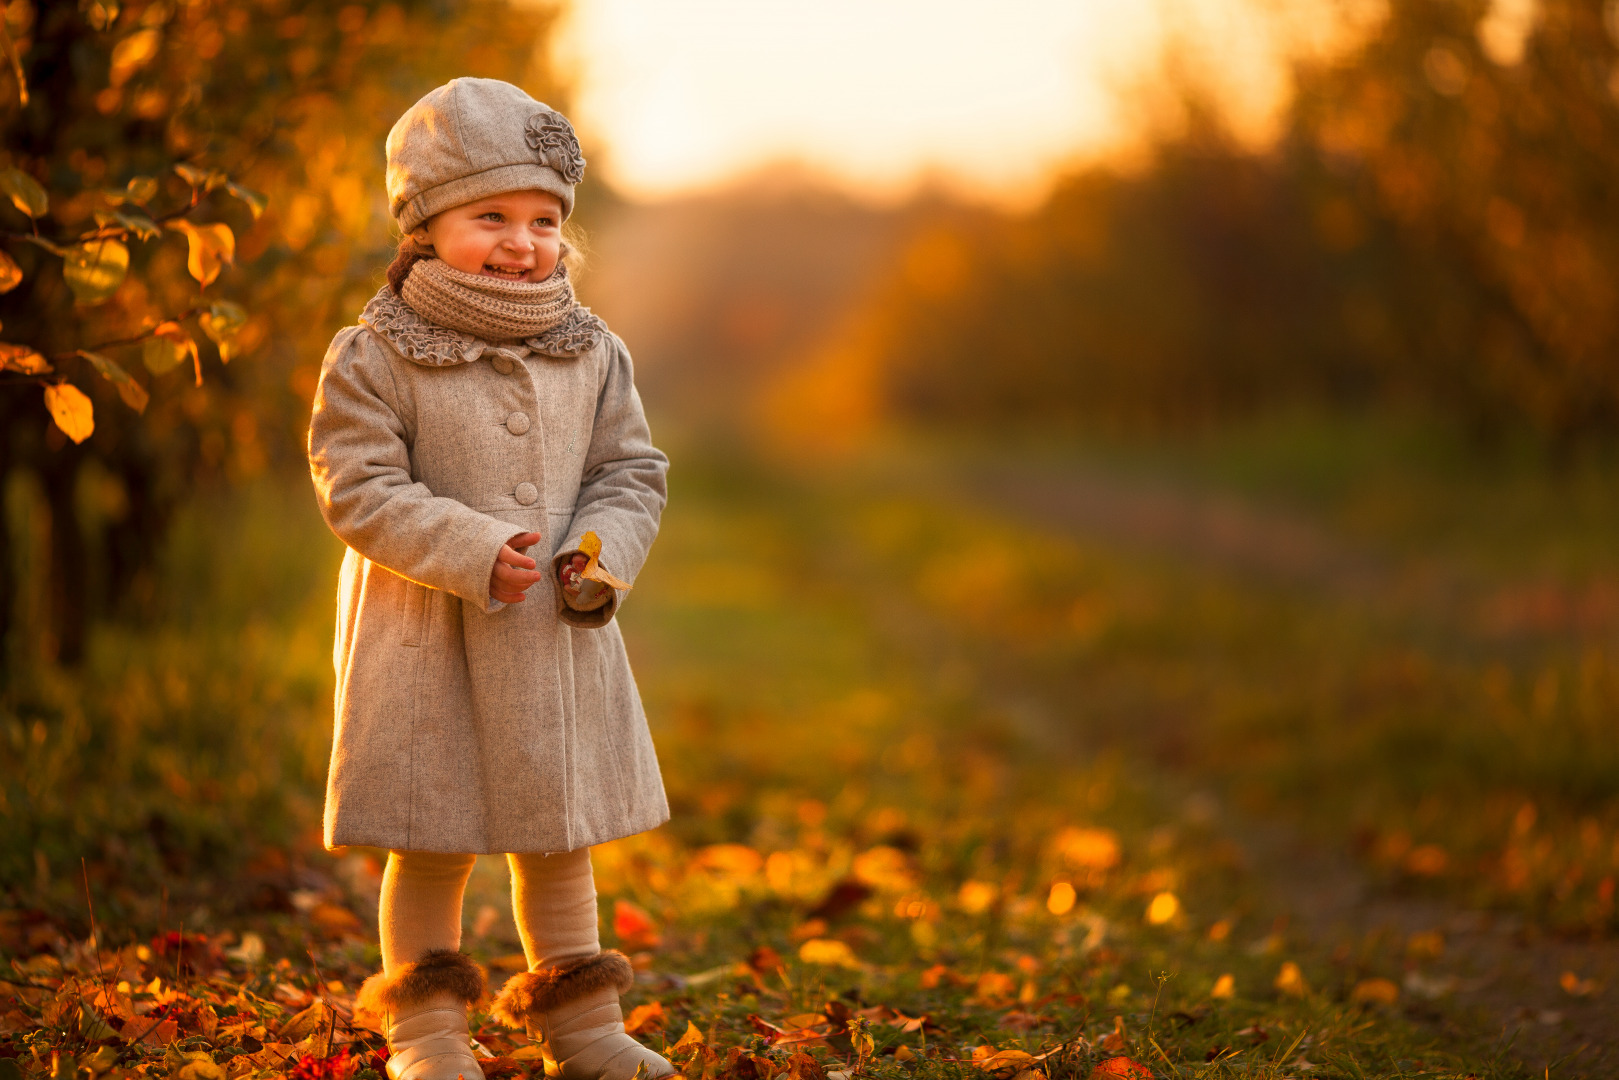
[[519, 242]]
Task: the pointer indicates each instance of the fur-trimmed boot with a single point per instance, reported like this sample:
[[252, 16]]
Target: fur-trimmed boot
[[573, 1007], [422, 1009]]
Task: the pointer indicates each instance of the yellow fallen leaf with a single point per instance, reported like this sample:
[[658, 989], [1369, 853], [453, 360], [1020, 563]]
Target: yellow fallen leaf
[[692, 1037], [1062, 898], [828, 952], [1375, 991], [1164, 907], [1224, 987], [1290, 980]]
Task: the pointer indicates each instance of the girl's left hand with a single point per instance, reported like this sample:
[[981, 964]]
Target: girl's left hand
[[568, 575]]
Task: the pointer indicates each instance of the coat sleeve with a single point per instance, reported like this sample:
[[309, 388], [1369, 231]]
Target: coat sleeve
[[622, 490], [360, 461]]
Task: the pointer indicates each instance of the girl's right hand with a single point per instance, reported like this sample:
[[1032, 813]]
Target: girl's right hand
[[514, 572]]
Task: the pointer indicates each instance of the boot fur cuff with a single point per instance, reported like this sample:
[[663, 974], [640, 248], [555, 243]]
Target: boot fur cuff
[[442, 971], [534, 992]]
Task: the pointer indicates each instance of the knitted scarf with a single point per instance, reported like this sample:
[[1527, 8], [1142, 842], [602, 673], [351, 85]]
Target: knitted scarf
[[487, 307]]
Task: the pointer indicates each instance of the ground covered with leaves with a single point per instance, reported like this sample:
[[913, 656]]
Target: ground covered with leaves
[[955, 794]]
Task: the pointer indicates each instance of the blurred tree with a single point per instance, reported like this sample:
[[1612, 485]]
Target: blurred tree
[[141, 142], [1436, 224]]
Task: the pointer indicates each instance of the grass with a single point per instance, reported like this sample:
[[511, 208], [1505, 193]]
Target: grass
[[926, 759]]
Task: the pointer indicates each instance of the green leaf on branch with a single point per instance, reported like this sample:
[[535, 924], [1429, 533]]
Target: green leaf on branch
[[94, 270], [71, 410], [255, 202], [22, 359], [25, 192], [168, 348], [133, 393], [210, 248], [222, 322], [10, 273]]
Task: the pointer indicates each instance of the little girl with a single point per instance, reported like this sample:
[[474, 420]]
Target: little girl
[[478, 414]]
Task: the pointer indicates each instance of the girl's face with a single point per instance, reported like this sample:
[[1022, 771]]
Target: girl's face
[[513, 236]]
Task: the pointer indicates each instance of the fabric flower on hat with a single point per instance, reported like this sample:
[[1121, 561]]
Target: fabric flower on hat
[[550, 133]]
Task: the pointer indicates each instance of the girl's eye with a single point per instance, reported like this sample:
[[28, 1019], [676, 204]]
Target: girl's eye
[[494, 215], [544, 222]]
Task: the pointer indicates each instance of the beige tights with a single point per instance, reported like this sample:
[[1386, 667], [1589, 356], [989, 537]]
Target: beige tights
[[553, 900]]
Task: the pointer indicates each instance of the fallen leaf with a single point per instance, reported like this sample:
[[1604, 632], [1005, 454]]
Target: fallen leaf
[[145, 1030], [1575, 986], [994, 987], [976, 897], [691, 1038], [828, 952], [634, 927], [1062, 898], [1163, 908], [336, 921], [302, 1024], [1121, 1066], [1224, 987], [645, 1018], [1290, 980], [1375, 991], [1089, 849]]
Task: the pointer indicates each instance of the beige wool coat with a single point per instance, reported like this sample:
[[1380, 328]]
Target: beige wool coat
[[464, 724]]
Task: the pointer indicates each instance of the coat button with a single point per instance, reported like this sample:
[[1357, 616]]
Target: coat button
[[527, 493], [503, 364], [517, 423]]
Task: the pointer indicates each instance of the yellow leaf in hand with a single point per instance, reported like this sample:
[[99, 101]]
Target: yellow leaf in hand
[[591, 545]]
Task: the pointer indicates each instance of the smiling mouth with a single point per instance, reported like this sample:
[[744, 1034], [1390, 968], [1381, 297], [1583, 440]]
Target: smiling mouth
[[508, 273]]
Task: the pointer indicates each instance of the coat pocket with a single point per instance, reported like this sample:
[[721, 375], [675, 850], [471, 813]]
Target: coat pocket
[[414, 614]]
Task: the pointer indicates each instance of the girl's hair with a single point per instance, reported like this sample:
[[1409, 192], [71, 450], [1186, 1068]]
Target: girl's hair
[[574, 249]]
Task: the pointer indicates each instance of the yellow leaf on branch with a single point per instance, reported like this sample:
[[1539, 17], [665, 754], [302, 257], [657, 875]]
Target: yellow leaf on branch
[[209, 248], [71, 410], [22, 359], [168, 348]]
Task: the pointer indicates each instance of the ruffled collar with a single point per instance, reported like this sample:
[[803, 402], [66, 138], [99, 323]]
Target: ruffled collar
[[432, 345]]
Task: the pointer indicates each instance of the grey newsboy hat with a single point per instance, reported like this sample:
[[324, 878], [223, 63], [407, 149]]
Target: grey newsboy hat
[[472, 138]]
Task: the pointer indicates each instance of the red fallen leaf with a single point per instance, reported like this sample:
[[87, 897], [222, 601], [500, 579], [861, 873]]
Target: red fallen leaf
[[634, 927], [151, 1032], [499, 1066], [1129, 1068], [337, 1067]]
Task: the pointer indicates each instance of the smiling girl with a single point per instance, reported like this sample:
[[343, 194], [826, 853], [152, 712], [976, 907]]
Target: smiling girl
[[476, 414]]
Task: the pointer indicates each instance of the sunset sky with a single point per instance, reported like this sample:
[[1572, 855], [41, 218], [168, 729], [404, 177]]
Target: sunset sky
[[878, 94]]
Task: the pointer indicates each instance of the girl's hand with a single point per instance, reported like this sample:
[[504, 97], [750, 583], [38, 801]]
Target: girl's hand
[[568, 575], [514, 572]]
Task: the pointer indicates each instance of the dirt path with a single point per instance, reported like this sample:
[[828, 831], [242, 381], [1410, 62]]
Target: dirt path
[[1496, 980]]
